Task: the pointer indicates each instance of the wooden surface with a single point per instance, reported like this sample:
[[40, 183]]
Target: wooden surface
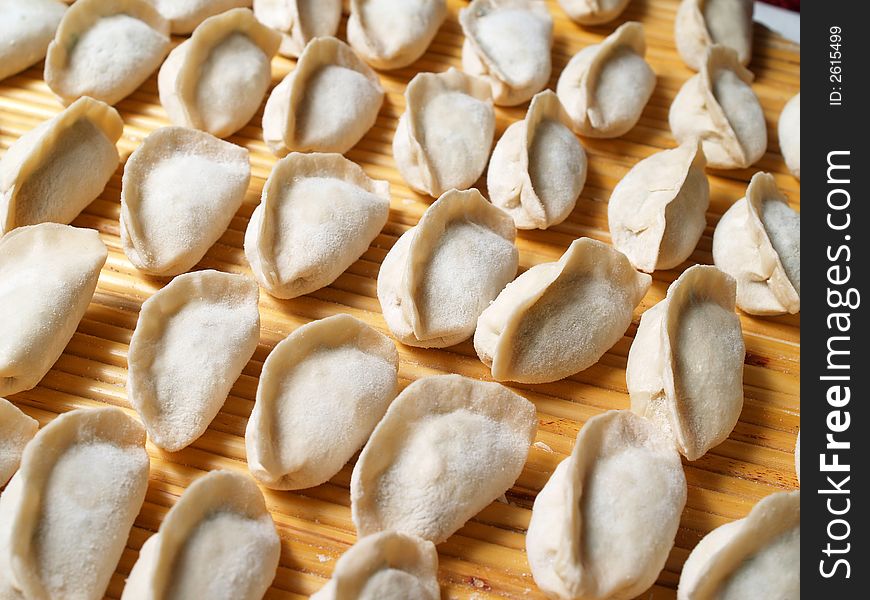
[[486, 558]]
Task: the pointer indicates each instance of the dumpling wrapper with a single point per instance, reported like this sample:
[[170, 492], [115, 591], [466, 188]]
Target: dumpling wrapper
[[447, 447], [658, 211], [605, 522], [789, 129], [191, 342], [443, 272], [701, 23], [105, 49], [322, 391], [685, 367], [16, 430], [48, 274], [216, 79], [180, 191], [27, 28], [757, 241], [318, 215], [218, 542], [326, 104], [299, 21], [718, 106], [593, 12], [559, 318], [185, 15], [66, 515], [605, 86]]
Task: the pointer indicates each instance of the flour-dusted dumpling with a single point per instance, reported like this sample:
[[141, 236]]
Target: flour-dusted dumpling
[[447, 447], [105, 49], [26, 29], [701, 23], [386, 565], [718, 106], [16, 429], [390, 34], [185, 15], [326, 104], [757, 241], [507, 44], [66, 514], [593, 12], [180, 190], [658, 211], [191, 342], [78, 145], [789, 129], [603, 525], [218, 542], [444, 137], [442, 273], [604, 87], [318, 214], [559, 318], [216, 80], [321, 393], [299, 21], [756, 557], [685, 367], [48, 274]]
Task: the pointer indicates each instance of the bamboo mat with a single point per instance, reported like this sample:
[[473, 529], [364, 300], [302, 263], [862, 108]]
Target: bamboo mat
[[486, 558]]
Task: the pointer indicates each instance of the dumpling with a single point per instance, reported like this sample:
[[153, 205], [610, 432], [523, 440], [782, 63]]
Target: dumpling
[[559, 318], [757, 241], [326, 104], [603, 525], [444, 137], [318, 215], [105, 49], [185, 15], [180, 190], [390, 34], [216, 80], [385, 565], [658, 211], [507, 44], [604, 87], [685, 367], [447, 447], [191, 342], [299, 21], [27, 27], [790, 135], [66, 515], [593, 12], [718, 106], [16, 429], [538, 167], [35, 173], [754, 557], [321, 393], [701, 23], [48, 274], [218, 542], [443, 272]]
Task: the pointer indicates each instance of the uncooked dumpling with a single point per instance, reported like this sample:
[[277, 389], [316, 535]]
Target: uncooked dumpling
[[789, 129], [26, 29], [593, 12], [16, 429], [701, 23], [299, 21], [185, 15]]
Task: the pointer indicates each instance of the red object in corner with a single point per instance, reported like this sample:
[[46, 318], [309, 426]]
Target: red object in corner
[[794, 5]]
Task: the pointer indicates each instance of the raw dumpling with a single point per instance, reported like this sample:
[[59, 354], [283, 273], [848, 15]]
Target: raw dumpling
[[385, 565], [593, 12], [66, 515], [216, 80], [48, 274], [185, 15], [658, 211], [180, 190], [507, 44], [326, 104], [444, 137], [299, 21], [685, 367], [757, 241], [538, 167], [701, 23], [35, 173], [319, 213], [603, 525], [559, 318], [604, 87], [217, 542], [191, 342], [790, 135], [718, 106], [105, 49], [321, 393], [442, 273], [447, 447], [755, 557], [390, 34], [27, 27], [16, 429]]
